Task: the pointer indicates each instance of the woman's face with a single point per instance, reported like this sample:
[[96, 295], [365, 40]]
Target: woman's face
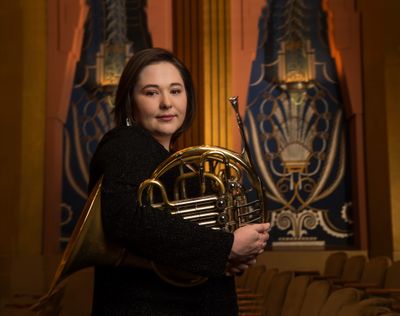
[[160, 101]]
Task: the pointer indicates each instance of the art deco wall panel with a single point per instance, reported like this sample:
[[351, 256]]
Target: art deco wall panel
[[114, 30], [296, 126]]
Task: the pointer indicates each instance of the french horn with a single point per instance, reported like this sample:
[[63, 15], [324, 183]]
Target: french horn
[[230, 195]]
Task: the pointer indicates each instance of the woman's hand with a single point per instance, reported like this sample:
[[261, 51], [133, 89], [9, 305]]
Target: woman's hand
[[249, 241], [237, 267]]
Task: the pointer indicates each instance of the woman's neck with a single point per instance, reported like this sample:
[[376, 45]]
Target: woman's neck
[[165, 141]]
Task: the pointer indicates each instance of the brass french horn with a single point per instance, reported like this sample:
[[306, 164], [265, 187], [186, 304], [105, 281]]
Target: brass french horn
[[230, 196]]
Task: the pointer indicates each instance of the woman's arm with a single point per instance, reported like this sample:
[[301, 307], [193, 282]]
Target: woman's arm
[[127, 160]]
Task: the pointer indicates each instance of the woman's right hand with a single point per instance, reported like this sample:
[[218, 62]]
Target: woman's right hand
[[249, 241]]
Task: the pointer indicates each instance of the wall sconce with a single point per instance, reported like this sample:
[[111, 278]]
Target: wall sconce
[[296, 65], [110, 62], [296, 74]]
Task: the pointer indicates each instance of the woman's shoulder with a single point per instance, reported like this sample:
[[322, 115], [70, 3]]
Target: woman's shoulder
[[129, 153], [126, 133], [125, 137], [128, 143]]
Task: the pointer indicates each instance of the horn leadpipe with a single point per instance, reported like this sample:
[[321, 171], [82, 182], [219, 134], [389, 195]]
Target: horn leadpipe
[[235, 104]]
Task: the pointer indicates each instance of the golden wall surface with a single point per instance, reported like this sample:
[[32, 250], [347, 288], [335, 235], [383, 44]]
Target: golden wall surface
[[381, 61], [23, 37], [202, 40], [23, 86]]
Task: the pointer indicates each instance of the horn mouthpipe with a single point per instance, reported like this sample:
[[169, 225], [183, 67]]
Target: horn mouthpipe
[[235, 104]]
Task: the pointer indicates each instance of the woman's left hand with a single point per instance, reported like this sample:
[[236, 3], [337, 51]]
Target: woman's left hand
[[238, 267]]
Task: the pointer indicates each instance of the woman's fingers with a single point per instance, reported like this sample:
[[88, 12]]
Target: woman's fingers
[[262, 227], [239, 267], [236, 269], [249, 240]]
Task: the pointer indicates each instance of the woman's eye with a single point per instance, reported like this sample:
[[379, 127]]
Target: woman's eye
[[176, 91], [150, 93]]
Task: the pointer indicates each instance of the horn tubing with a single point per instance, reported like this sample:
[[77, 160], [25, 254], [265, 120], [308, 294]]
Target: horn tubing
[[235, 104]]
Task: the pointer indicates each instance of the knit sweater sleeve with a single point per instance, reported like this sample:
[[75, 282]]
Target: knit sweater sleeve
[[126, 158]]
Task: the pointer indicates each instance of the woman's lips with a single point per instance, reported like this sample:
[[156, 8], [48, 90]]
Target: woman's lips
[[165, 118]]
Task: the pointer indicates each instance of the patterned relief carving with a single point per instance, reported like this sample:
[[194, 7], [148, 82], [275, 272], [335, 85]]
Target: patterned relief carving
[[114, 30], [295, 125]]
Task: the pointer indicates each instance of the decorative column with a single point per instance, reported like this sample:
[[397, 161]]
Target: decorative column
[[202, 41], [381, 66], [345, 43], [66, 26]]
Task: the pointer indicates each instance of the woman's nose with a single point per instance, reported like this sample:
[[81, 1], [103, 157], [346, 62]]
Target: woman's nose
[[165, 106], [165, 102]]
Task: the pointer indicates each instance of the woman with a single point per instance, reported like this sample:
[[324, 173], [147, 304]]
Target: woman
[[154, 104]]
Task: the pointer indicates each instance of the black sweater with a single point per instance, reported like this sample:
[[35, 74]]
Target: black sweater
[[126, 156]]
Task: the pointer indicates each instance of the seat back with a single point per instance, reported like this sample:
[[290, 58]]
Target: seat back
[[240, 280], [353, 269], [339, 298], [316, 295], [374, 270], [334, 264], [370, 307], [265, 281], [392, 276], [274, 301], [253, 277], [295, 295]]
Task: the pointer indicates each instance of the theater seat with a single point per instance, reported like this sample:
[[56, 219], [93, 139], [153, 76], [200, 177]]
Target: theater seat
[[339, 298], [295, 295], [316, 295], [373, 273], [369, 307]]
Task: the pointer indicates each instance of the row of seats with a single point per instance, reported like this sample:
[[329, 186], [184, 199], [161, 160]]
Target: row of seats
[[347, 286], [357, 271]]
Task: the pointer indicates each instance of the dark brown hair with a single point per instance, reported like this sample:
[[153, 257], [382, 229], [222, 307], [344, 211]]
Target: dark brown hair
[[129, 79]]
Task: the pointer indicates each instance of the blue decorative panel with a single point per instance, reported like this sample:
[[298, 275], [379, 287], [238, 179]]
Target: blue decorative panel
[[296, 129], [114, 30]]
